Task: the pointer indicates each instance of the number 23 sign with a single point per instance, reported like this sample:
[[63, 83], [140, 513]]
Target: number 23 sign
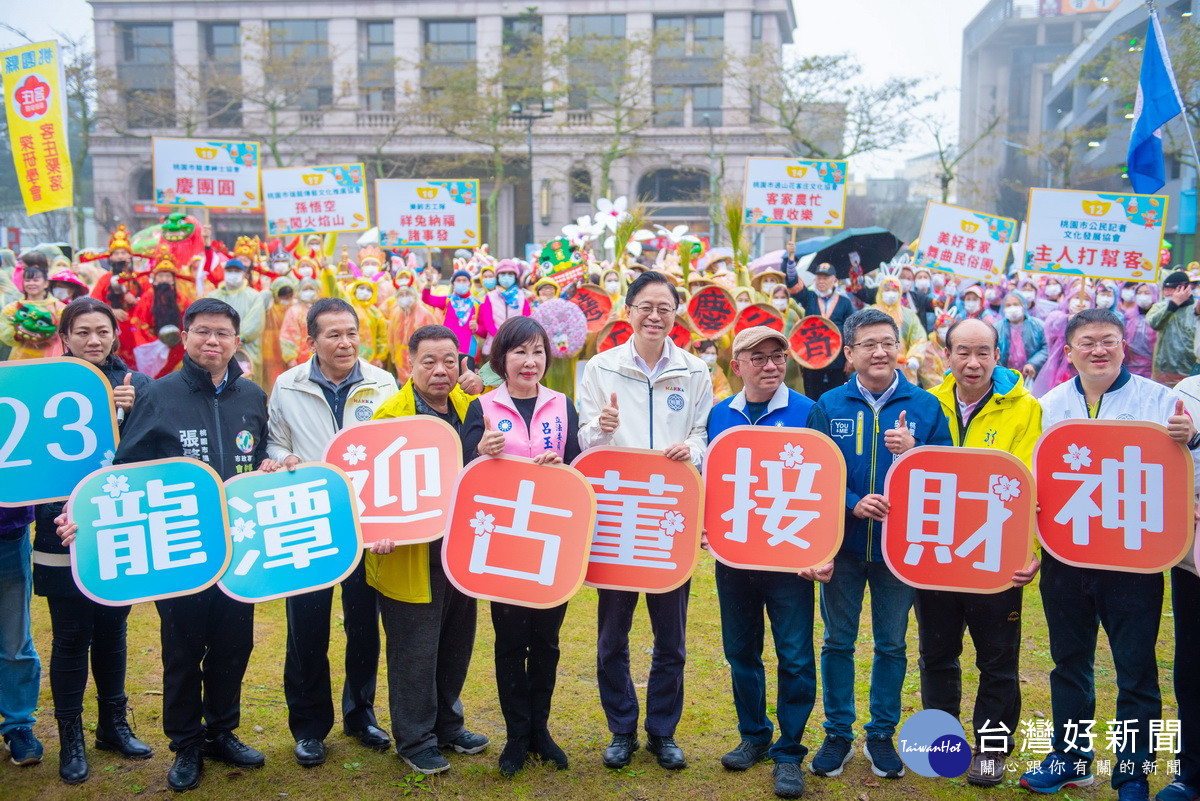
[[56, 427]]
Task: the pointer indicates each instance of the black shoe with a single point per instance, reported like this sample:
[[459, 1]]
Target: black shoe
[[467, 743], [548, 750], [185, 771], [226, 747], [113, 732], [670, 755], [620, 750], [372, 737], [310, 752], [512, 758], [789, 779], [72, 756], [745, 756]]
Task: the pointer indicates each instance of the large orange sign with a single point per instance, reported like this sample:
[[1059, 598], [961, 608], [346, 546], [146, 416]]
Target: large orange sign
[[595, 304], [519, 532], [712, 311], [775, 498], [1114, 495], [758, 314], [402, 470], [816, 342], [961, 519], [648, 514]]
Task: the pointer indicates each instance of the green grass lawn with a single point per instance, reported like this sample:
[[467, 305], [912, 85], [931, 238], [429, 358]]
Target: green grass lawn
[[707, 731]]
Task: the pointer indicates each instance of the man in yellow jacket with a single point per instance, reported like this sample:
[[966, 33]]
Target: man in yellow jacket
[[428, 624], [988, 406]]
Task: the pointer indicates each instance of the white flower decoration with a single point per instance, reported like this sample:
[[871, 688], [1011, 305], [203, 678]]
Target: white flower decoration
[[242, 529], [791, 455], [355, 454], [1077, 457], [634, 247], [583, 230], [671, 523], [483, 523], [611, 212], [674, 235], [107, 460], [116, 486], [1007, 488]]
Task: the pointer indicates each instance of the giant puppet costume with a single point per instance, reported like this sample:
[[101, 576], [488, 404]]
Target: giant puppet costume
[[158, 316], [121, 288]]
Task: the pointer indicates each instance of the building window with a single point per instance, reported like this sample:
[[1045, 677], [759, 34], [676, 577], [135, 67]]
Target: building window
[[706, 100], [668, 106], [708, 36], [588, 30], [305, 38], [147, 44], [222, 42], [378, 99], [597, 26], [522, 34], [449, 41], [147, 75], [670, 37], [143, 186], [378, 44], [756, 28], [581, 186], [223, 109]]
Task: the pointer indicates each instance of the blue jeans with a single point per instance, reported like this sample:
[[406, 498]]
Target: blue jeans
[[20, 668], [841, 608], [788, 600]]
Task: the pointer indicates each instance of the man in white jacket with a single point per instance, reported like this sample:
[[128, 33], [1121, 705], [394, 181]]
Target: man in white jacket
[[1077, 600], [309, 404], [646, 393]]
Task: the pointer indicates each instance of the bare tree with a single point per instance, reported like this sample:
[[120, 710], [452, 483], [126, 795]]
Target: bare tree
[[949, 152]]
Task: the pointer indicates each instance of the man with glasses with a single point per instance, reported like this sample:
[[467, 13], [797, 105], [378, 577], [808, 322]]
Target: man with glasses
[[873, 418], [760, 360], [645, 393], [1078, 600]]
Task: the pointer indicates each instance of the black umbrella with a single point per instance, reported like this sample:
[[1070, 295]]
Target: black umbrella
[[869, 246]]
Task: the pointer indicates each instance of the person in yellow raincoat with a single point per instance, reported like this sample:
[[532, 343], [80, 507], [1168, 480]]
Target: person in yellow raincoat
[[283, 294], [889, 301], [783, 303], [706, 349], [407, 315], [30, 326], [293, 330], [361, 294], [926, 363]]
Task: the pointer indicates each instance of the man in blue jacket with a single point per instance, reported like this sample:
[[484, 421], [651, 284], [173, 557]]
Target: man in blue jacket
[[873, 418], [760, 360]]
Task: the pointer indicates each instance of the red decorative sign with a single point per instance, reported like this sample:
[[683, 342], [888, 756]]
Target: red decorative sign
[[775, 498], [680, 335], [1114, 495], [712, 311], [758, 314], [816, 343], [615, 333], [595, 304], [32, 98], [961, 519]]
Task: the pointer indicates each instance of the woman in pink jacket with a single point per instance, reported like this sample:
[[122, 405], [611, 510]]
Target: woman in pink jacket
[[500, 304]]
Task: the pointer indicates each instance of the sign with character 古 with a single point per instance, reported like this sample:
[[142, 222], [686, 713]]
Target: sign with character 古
[[648, 517], [402, 470], [775, 498], [961, 519], [290, 532], [148, 531], [1114, 495], [519, 532], [816, 342]]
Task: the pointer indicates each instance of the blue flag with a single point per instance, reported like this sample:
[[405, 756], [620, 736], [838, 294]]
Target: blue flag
[[1158, 102]]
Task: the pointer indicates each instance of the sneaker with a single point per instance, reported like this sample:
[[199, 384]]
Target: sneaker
[[885, 762], [428, 762], [987, 768], [1056, 772], [23, 747], [1134, 790], [745, 756], [467, 743], [832, 757], [1178, 791], [789, 779]]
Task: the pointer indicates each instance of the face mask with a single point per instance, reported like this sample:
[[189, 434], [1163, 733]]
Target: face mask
[[1028, 294], [308, 295], [406, 301], [922, 284], [489, 283], [1015, 314], [1127, 295], [611, 287], [769, 286], [990, 295], [709, 358], [971, 306], [507, 280], [1053, 291], [906, 284], [1145, 301], [945, 329], [824, 292], [461, 288], [779, 303], [741, 304], [282, 268], [891, 298], [234, 280], [1076, 306], [304, 272], [1104, 301], [363, 293], [61, 292]]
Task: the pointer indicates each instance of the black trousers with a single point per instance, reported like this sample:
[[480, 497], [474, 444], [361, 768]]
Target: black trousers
[[526, 663], [818, 382], [80, 625], [994, 621], [306, 679], [1185, 600], [206, 644]]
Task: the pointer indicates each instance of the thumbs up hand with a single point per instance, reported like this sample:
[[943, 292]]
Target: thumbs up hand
[[1180, 426], [609, 416], [899, 439], [492, 443], [123, 394]]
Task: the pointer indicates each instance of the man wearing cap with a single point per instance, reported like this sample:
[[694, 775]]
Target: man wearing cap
[[249, 304], [1174, 318], [760, 360], [823, 300]]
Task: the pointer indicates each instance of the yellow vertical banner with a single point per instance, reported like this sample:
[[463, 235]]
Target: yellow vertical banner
[[37, 125]]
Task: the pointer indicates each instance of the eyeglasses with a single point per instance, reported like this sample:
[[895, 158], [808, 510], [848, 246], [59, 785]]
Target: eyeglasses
[[760, 360], [1088, 346], [223, 335], [888, 345], [646, 309]]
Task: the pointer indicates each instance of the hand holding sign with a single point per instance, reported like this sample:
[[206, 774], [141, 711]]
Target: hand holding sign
[[899, 439], [874, 506], [609, 416], [1180, 426]]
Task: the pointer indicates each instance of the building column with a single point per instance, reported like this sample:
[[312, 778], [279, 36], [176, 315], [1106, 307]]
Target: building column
[[343, 56], [255, 50], [408, 44], [189, 83], [738, 45]]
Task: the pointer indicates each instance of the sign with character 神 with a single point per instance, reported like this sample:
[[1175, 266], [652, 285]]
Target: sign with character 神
[[816, 343], [775, 498], [961, 519], [58, 426], [402, 470], [519, 532], [648, 518], [1114, 495], [712, 311], [291, 533], [149, 531]]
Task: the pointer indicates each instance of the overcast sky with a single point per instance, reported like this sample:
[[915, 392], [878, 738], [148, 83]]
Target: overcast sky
[[889, 37]]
